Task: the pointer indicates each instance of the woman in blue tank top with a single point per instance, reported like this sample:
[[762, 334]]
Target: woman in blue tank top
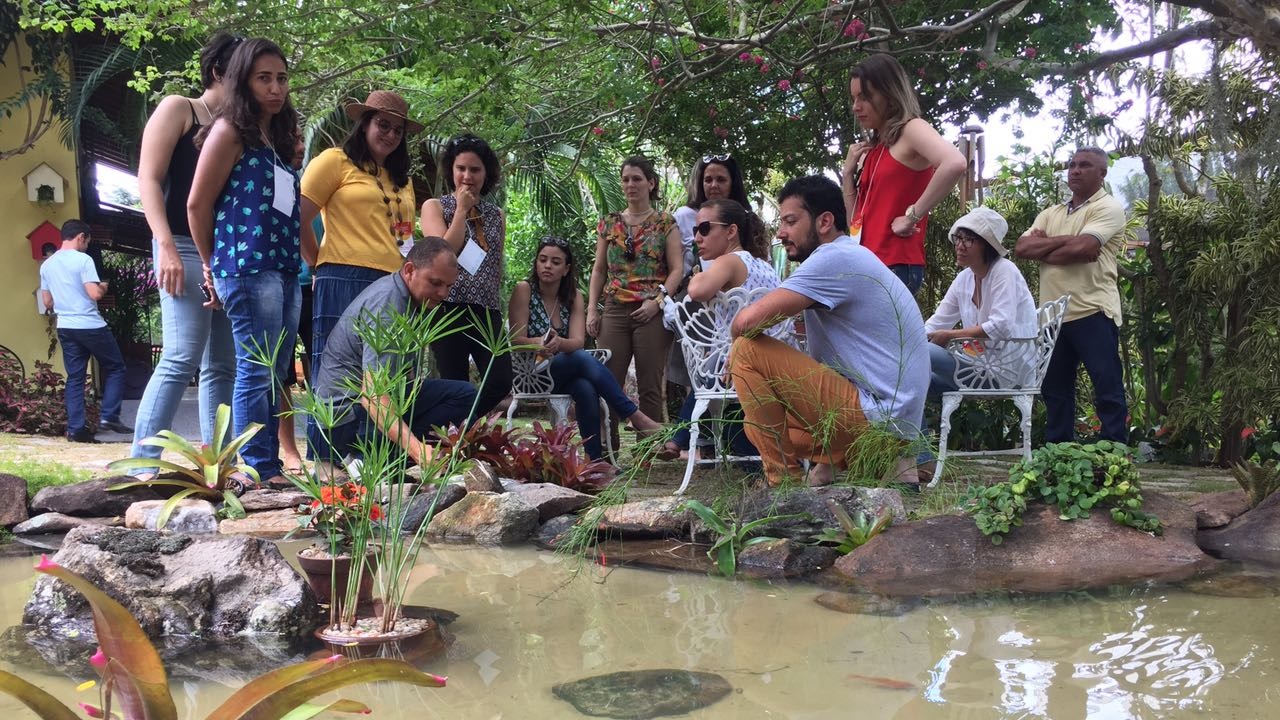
[[244, 217]]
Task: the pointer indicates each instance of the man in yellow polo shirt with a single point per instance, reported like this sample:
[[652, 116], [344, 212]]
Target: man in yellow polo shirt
[[1077, 244]]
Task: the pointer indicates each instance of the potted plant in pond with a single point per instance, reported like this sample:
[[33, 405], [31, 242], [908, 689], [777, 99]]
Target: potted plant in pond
[[339, 512], [374, 538]]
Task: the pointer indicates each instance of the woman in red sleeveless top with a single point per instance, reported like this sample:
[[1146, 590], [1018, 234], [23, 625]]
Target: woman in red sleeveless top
[[894, 178]]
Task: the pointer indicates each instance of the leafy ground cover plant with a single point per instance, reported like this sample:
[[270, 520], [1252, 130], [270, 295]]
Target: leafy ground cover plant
[[854, 531], [134, 679], [1075, 477], [211, 471], [732, 536], [33, 404], [42, 473]]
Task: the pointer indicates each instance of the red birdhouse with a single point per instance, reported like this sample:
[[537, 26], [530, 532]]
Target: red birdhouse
[[45, 240]]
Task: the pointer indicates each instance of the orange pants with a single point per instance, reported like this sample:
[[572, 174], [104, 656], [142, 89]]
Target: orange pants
[[796, 408]]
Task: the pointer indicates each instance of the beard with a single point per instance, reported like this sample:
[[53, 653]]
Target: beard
[[801, 251]]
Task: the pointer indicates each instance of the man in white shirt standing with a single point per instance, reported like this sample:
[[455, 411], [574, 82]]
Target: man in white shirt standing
[[70, 288]]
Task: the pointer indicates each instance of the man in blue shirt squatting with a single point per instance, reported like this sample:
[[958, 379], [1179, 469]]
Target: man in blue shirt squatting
[[868, 360], [345, 372]]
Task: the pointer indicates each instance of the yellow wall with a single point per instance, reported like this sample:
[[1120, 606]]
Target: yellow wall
[[21, 329]]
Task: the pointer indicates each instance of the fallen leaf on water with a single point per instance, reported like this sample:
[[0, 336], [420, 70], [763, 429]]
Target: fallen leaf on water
[[884, 682]]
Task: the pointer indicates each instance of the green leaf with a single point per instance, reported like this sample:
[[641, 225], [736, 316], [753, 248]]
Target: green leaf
[[309, 710], [342, 673], [133, 463], [169, 505], [42, 703], [708, 516], [727, 562]]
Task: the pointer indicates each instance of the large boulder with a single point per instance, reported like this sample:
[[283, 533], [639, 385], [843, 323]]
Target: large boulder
[[1254, 536], [552, 500], [52, 522], [946, 555], [13, 500], [428, 502], [784, 557], [177, 585], [813, 506], [196, 517], [266, 524], [91, 498], [1217, 509], [485, 518], [657, 517], [643, 693]]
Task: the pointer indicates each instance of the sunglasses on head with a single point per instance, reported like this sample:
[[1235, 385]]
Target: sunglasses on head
[[715, 158], [551, 241], [704, 227]]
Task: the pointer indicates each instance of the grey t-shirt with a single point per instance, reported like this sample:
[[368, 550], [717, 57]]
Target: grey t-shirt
[[347, 357], [865, 325]]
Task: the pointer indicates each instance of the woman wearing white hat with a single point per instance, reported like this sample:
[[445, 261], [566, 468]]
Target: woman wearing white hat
[[365, 196], [989, 299]]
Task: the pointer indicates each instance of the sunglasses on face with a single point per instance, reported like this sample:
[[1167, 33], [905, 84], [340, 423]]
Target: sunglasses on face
[[704, 227], [714, 158]]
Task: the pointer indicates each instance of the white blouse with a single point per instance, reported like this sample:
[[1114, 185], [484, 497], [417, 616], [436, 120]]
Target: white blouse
[[1007, 309]]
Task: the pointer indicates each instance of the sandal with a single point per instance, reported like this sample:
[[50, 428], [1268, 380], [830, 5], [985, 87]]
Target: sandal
[[668, 451], [239, 484]]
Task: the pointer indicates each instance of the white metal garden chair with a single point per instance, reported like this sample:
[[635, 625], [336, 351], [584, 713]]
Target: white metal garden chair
[[530, 383], [705, 342], [1001, 368]]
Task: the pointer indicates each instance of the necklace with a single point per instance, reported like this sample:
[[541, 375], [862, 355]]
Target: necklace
[[632, 219], [552, 312], [864, 198], [396, 222]]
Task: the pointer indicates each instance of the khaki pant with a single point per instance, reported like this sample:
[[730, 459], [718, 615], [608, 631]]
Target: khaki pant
[[646, 342], [796, 408]]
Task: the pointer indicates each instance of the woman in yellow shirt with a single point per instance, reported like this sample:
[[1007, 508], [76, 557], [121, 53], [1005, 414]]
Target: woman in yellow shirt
[[363, 192]]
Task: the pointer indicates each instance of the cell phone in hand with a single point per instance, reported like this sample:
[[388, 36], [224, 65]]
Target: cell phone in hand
[[545, 362], [204, 290]]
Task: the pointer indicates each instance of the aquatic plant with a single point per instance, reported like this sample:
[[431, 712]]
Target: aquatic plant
[[1075, 477], [1258, 479], [134, 679], [854, 531], [732, 536], [212, 467]]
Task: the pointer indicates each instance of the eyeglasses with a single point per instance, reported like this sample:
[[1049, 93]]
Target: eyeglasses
[[715, 158], [704, 227], [964, 241], [389, 128]]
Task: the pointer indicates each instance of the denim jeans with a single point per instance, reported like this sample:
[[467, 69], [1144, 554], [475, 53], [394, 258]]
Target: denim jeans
[[942, 372], [263, 309], [911, 275], [731, 434], [438, 403], [77, 347], [1095, 341], [582, 377], [195, 339]]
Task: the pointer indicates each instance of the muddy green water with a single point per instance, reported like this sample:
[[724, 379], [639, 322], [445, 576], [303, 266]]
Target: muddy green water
[[527, 624]]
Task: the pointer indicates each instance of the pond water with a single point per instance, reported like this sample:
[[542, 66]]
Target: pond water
[[527, 623]]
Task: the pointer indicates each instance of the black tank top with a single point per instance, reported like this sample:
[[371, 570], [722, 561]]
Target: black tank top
[[177, 183]]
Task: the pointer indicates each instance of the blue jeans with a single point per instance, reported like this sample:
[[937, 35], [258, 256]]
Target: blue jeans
[[911, 275], [942, 372], [77, 347], [196, 339], [438, 403], [582, 377], [1095, 341], [263, 309], [731, 434]]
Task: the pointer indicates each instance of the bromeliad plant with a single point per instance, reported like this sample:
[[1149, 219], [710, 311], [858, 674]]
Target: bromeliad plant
[[1075, 477], [732, 535], [855, 531], [212, 469], [134, 680]]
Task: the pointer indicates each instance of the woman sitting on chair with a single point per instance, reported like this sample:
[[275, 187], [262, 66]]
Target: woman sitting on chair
[[547, 310], [989, 298], [738, 257]]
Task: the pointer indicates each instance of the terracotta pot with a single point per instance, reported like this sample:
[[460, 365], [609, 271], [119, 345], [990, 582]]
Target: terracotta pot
[[423, 643], [327, 575]]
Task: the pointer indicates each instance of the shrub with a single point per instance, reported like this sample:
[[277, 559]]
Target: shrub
[[33, 404]]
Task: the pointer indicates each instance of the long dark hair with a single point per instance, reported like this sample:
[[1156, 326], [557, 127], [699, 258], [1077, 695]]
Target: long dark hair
[[356, 146], [569, 283], [737, 189], [214, 57], [242, 112], [645, 166], [472, 144], [749, 232]]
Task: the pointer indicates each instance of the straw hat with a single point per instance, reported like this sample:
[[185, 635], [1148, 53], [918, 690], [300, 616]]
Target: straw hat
[[987, 224], [387, 102]]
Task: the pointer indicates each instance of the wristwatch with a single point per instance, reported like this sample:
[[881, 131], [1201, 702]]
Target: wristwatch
[[911, 214]]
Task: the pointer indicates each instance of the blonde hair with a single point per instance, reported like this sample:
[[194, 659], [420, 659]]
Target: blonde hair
[[883, 76]]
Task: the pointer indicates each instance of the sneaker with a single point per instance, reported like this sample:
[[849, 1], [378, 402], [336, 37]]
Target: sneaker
[[84, 436], [115, 426]]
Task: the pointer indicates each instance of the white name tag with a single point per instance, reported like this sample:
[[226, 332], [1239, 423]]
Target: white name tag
[[284, 197], [471, 257]]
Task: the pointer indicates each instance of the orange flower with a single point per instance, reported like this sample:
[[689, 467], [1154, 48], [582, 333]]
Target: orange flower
[[375, 512]]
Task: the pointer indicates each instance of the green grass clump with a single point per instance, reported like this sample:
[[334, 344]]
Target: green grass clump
[[41, 474]]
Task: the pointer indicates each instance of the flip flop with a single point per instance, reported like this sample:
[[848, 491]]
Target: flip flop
[[668, 452]]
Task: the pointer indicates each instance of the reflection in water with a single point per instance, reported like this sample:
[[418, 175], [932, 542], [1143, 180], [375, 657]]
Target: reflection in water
[[524, 627]]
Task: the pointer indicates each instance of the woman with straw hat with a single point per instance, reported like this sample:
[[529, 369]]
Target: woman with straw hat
[[363, 193]]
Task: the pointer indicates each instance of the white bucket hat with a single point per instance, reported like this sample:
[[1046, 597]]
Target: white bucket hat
[[987, 224]]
